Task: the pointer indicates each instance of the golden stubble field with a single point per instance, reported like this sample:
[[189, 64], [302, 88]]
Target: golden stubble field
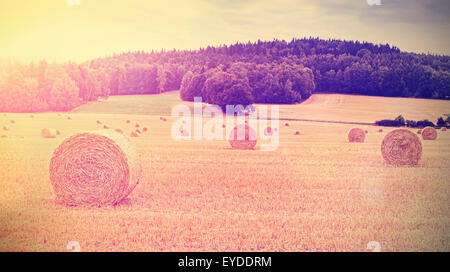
[[316, 192]]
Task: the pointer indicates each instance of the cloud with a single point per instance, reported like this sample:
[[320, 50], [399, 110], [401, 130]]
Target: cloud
[[73, 2]]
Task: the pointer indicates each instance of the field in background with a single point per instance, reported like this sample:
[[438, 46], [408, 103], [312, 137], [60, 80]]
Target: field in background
[[317, 192]]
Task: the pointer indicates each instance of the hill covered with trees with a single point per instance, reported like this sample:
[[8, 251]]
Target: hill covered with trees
[[243, 73]]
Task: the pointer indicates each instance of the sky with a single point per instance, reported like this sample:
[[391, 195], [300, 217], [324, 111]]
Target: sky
[[79, 30]]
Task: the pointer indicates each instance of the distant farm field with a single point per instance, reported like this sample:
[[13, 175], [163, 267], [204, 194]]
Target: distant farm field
[[316, 192]]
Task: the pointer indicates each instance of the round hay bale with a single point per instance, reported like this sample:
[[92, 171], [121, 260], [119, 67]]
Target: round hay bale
[[429, 133], [380, 130], [4, 136], [223, 126], [297, 133], [94, 169], [134, 134], [138, 131], [31, 116], [69, 118], [268, 131], [144, 129], [119, 130], [242, 137], [184, 133], [401, 147], [286, 124], [99, 122], [5, 128], [444, 129], [105, 127], [137, 125], [49, 133], [13, 122], [419, 131], [128, 121], [356, 135], [366, 131], [58, 132]]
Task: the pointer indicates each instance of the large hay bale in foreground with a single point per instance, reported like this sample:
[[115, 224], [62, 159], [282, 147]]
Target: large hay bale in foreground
[[356, 135], [94, 169], [401, 147], [242, 137], [49, 133], [429, 133]]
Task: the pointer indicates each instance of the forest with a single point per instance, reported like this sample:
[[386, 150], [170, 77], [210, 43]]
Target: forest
[[275, 71]]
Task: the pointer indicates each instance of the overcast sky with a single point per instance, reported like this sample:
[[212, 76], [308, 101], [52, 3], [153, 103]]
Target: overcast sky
[[78, 30]]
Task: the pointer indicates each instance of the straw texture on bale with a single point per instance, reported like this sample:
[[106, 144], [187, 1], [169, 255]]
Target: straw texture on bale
[[429, 133], [401, 147], [243, 137], [94, 169], [49, 133], [356, 135]]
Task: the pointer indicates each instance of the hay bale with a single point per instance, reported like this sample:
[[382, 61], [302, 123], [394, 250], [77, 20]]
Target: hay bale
[[380, 130], [144, 129], [99, 122], [429, 133], [105, 127], [49, 133], [242, 137], [223, 126], [94, 169], [13, 122], [268, 131], [419, 131], [137, 125], [119, 130], [4, 136], [31, 116], [444, 129], [401, 147], [138, 131], [366, 131], [69, 118], [286, 124], [297, 133], [128, 121], [184, 133], [356, 135], [134, 134], [5, 128], [58, 132]]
